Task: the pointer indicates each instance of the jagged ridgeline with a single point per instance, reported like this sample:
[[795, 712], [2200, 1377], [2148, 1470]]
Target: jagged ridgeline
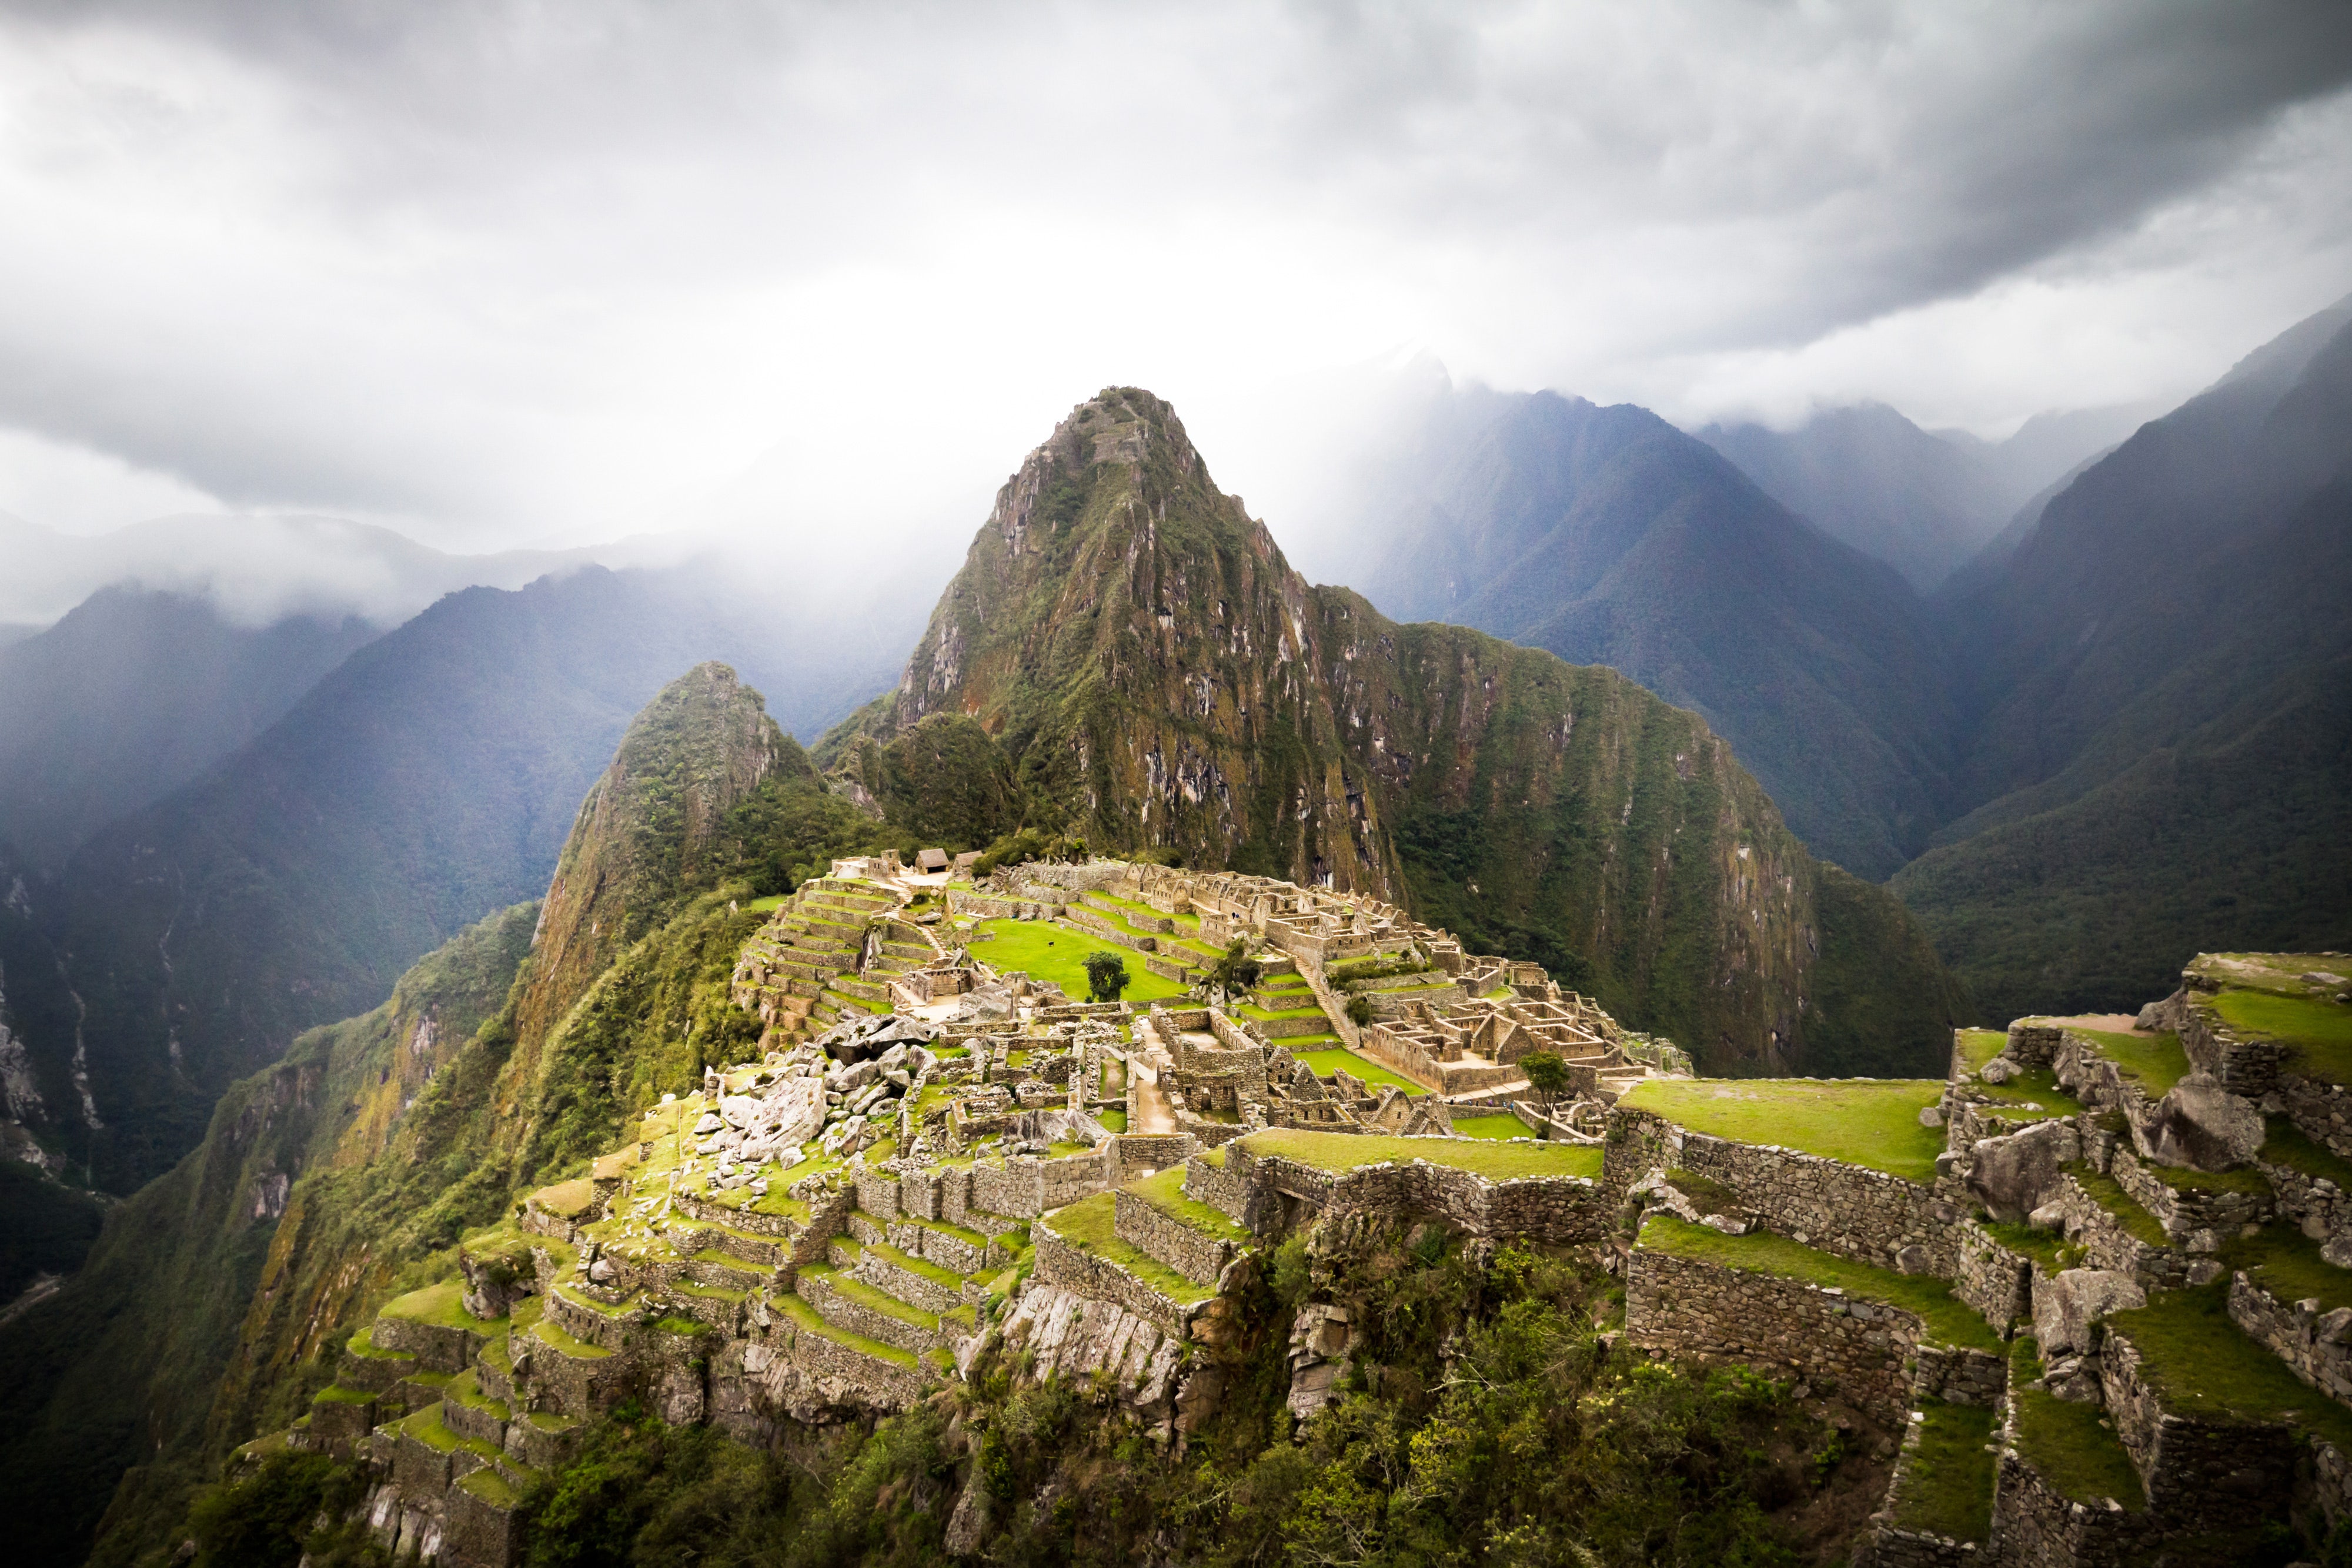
[[1126, 658], [350, 1167]]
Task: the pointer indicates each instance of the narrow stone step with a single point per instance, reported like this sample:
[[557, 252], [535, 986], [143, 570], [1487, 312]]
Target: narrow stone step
[[952, 1246]]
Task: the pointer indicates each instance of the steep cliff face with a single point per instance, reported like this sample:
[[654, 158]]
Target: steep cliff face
[[1158, 677], [649, 827], [213, 1282]]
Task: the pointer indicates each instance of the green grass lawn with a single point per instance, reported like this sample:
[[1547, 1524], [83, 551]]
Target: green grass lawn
[[1503, 1126], [2319, 1029], [1949, 1320], [2074, 1449], [771, 902], [1497, 1162], [1978, 1045], [1947, 1479], [1872, 1122], [1323, 1063], [2046, 1247], [2157, 1061], [2204, 1365], [1112, 1120], [1057, 956]]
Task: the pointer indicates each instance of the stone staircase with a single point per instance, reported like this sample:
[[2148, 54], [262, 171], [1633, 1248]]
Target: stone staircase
[[828, 954]]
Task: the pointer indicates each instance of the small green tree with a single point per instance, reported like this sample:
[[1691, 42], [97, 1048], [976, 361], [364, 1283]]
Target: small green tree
[[1359, 1012], [1106, 976], [1233, 971], [1547, 1074]]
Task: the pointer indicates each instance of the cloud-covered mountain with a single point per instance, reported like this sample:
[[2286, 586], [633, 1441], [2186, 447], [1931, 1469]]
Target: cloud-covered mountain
[[1924, 502], [134, 693]]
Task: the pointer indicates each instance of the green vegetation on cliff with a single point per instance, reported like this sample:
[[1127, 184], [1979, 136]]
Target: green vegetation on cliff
[[1488, 1421], [212, 1304]]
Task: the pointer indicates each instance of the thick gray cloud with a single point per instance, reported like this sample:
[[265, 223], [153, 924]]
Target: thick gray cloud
[[534, 273]]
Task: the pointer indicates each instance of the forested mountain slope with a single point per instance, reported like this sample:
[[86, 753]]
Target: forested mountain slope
[[328, 1180], [2158, 693], [134, 693], [1608, 536], [428, 779], [1157, 677]]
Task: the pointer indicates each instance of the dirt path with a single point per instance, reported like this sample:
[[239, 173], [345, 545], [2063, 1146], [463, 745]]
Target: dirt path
[[1152, 1112]]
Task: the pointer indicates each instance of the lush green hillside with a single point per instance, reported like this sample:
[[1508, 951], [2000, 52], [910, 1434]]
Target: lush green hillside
[[1158, 679], [350, 1166]]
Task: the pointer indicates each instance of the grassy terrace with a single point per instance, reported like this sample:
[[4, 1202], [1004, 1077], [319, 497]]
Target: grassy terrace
[[2318, 1028], [804, 1318], [1978, 1045], [1947, 1485], [1497, 1162], [2204, 1365], [441, 1306], [1323, 1063], [1503, 1126], [1057, 956], [1948, 1320], [1871, 1123], [2074, 1449], [2044, 1247], [2108, 1195], [2284, 1262], [2032, 1096], [1165, 1192], [1089, 1225], [2288, 1145], [2156, 1061]]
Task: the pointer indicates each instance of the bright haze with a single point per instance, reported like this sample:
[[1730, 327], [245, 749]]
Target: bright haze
[[529, 277]]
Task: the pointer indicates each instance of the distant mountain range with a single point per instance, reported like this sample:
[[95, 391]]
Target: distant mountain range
[[1924, 502], [2107, 739], [2113, 737]]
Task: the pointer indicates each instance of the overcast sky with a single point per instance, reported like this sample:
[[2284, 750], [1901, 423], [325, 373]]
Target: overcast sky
[[543, 273]]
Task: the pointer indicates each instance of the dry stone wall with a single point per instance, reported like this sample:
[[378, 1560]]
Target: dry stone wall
[[1997, 1283], [1846, 1209], [1559, 1209], [2036, 1526], [1194, 1254], [1063, 1264], [2201, 1474], [2312, 1344], [1686, 1307]]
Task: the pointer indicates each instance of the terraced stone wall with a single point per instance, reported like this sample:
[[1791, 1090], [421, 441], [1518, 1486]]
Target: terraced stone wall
[[2106, 1244], [1194, 1254], [1140, 1153], [1220, 1188], [1686, 1307], [1997, 1283], [2313, 1344], [1059, 1263], [2200, 1218], [2036, 1526], [2201, 1474], [1559, 1209], [1846, 1209]]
